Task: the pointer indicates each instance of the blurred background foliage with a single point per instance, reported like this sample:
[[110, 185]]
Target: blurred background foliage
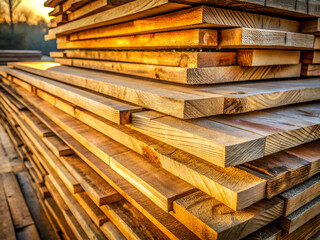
[[29, 30]]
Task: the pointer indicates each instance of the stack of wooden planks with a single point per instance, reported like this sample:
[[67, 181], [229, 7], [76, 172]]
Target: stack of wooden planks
[[173, 120], [19, 56]]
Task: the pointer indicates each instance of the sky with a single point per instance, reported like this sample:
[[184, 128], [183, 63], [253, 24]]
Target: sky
[[37, 7]]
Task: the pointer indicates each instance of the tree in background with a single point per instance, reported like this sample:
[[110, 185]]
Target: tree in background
[[12, 4]]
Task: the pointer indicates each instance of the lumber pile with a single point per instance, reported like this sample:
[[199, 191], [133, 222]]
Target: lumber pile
[[19, 56], [173, 120]]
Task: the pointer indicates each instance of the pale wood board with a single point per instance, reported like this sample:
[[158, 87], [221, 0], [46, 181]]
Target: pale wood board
[[208, 75]]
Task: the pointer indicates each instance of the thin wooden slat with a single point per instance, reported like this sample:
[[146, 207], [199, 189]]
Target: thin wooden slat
[[311, 26], [6, 226], [175, 59], [111, 231], [268, 232], [239, 190], [206, 75], [310, 70], [209, 219], [190, 38], [179, 101], [130, 221], [94, 7], [286, 169], [301, 216], [37, 126], [301, 194], [95, 213], [267, 57], [99, 191], [310, 57], [257, 38], [58, 147], [201, 16]]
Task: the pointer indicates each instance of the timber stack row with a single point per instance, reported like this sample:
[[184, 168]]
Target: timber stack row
[[19, 56], [175, 120]]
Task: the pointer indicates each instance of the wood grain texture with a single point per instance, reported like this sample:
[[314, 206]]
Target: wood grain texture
[[6, 226], [130, 11], [190, 38], [268, 232], [310, 57], [267, 57], [174, 59], [179, 101], [242, 188], [210, 219], [58, 147], [301, 194], [257, 38], [37, 126], [190, 76], [310, 70], [301, 216], [311, 26], [109, 108], [94, 7], [202, 16]]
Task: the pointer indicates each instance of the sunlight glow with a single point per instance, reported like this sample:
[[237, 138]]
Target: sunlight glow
[[40, 65], [37, 7]]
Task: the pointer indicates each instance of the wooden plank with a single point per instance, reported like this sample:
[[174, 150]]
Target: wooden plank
[[201, 16], [316, 236], [268, 232], [116, 111], [267, 57], [111, 231], [58, 20], [35, 207], [301, 216], [257, 38], [218, 143], [179, 101], [190, 38], [278, 133], [174, 59], [310, 57], [238, 189], [95, 213], [310, 70], [52, 3], [206, 75], [58, 147], [71, 5], [6, 224], [37, 126], [19, 211], [99, 191], [94, 7], [206, 217], [20, 53], [311, 26], [301, 194], [33, 173], [130, 11], [289, 168], [130, 221], [56, 11]]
